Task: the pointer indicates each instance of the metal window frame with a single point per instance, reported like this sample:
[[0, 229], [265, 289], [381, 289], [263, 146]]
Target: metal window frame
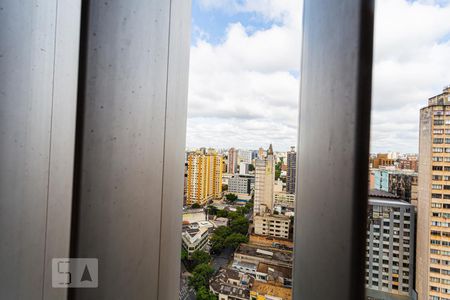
[[333, 143]]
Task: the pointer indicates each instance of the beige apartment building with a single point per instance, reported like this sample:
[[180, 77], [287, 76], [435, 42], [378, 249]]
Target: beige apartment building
[[433, 224], [264, 181], [272, 225], [284, 199]]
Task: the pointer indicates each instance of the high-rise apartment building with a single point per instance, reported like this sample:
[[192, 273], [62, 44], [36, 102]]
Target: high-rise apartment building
[[245, 156], [390, 247], [204, 177], [433, 222], [264, 180], [291, 171], [232, 161]]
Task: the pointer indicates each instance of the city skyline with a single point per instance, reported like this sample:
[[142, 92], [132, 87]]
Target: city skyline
[[251, 95]]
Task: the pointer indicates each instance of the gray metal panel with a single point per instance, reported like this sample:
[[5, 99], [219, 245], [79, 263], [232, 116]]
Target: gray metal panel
[[333, 149], [36, 150], [123, 146], [59, 206], [175, 143]]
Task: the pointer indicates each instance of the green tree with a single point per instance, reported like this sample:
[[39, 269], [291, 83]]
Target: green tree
[[232, 215], [212, 210], [184, 254], [204, 294], [222, 213], [278, 170], [239, 225], [251, 167], [231, 197], [243, 210], [200, 276], [218, 238], [200, 257], [234, 239]]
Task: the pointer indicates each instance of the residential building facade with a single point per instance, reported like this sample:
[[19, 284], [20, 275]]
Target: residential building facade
[[390, 245], [284, 199], [232, 161], [291, 171], [382, 160], [195, 237], [241, 184], [272, 225], [410, 163], [402, 183], [245, 156], [204, 177], [433, 226], [264, 180]]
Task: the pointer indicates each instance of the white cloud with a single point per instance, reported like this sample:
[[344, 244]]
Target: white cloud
[[411, 64], [243, 94]]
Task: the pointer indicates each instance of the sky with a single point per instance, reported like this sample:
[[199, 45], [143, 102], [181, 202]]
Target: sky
[[245, 72]]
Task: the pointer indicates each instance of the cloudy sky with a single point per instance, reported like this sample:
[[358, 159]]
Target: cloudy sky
[[244, 71]]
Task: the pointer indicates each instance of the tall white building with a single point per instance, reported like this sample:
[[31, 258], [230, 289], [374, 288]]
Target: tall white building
[[243, 168], [264, 180], [245, 156]]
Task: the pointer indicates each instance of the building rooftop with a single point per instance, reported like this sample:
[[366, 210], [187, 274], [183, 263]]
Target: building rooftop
[[244, 176], [275, 271], [274, 216], [389, 202], [394, 170], [231, 283], [195, 230], [270, 241], [220, 222], [377, 197], [380, 295], [374, 193], [441, 99], [265, 252], [250, 266], [263, 288]]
